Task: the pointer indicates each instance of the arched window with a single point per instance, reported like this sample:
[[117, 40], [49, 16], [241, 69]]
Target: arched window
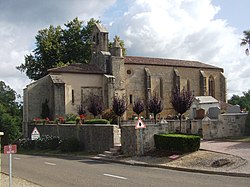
[[211, 86], [188, 85]]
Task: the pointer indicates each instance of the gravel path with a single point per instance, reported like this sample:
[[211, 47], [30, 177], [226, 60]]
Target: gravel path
[[241, 149]]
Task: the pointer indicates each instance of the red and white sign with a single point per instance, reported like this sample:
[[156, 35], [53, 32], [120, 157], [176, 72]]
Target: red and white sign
[[10, 149], [140, 124], [35, 134]]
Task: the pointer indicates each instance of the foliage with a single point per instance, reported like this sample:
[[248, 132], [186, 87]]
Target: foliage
[[70, 117], [246, 41], [109, 115], [247, 125], [177, 142], [10, 114], [138, 106], [181, 101], [45, 109], [81, 109], [119, 105], [56, 46], [26, 144], [44, 142], [155, 106], [96, 121], [242, 101], [121, 42], [70, 145], [95, 106], [48, 142]]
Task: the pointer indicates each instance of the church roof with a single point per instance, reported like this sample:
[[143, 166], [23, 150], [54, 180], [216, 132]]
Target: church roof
[[78, 68], [167, 62], [101, 28]]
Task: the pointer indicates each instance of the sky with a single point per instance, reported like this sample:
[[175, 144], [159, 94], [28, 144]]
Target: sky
[[209, 31]]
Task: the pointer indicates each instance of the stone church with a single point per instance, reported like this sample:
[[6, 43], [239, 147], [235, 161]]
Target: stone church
[[110, 73]]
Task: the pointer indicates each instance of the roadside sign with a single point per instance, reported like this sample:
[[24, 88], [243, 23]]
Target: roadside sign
[[10, 149], [35, 134], [140, 124]]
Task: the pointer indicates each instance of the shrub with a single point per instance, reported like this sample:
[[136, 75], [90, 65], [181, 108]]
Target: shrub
[[110, 116], [177, 142], [48, 142], [70, 145], [96, 121], [26, 144], [70, 117]]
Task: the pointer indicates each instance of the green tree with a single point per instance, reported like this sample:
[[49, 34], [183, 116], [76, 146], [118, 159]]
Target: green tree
[[10, 114], [242, 101], [246, 41], [121, 42], [56, 46]]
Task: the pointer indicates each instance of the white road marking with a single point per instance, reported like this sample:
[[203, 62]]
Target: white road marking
[[17, 158], [49, 163], [115, 176]]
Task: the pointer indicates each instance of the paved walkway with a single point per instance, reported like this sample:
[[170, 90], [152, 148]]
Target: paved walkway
[[241, 149]]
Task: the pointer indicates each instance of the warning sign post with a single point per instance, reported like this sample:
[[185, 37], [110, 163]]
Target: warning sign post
[[35, 134], [10, 149], [140, 125]]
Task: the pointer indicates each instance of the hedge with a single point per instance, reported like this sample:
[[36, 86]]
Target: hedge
[[96, 121], [180, 143]]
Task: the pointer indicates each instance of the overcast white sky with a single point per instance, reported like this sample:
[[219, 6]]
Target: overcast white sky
[[205, 30]]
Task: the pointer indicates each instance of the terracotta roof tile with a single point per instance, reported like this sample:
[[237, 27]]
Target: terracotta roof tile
[[78, 68], [167, 62]]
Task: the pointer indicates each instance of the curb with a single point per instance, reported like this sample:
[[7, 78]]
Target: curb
[[233, 174], [135, 163]]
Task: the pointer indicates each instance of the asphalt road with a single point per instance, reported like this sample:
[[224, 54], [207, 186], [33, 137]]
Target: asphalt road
[[53, 172]]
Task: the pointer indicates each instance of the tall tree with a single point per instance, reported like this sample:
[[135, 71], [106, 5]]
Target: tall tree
[[95, 106], [242, 101], [119, 106], [56, 46], [138, 106], [10, 114], [181, 101], [155, 106], [246, 41]]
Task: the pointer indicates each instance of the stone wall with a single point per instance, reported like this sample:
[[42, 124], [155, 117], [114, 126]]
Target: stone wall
[[93, 137], [227, 125]]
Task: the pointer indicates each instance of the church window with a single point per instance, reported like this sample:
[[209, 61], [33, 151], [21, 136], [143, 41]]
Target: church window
[[188, 85], [129, 72], [130, 99], [176, 79], [161, 87], [211, 86], [73, 96]]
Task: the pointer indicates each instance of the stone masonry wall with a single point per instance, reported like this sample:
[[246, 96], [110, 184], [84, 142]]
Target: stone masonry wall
[[93, 137], [227, 125]]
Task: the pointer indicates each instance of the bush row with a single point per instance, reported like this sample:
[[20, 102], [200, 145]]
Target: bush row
[[47, 142], [177, 142]]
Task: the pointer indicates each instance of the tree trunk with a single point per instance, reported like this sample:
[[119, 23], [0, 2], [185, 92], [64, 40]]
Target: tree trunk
[[180, 121], [155, 118]]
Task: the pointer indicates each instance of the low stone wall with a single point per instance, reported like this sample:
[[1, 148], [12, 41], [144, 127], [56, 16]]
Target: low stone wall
[[131, 141], [93, 137], [227, 125]]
